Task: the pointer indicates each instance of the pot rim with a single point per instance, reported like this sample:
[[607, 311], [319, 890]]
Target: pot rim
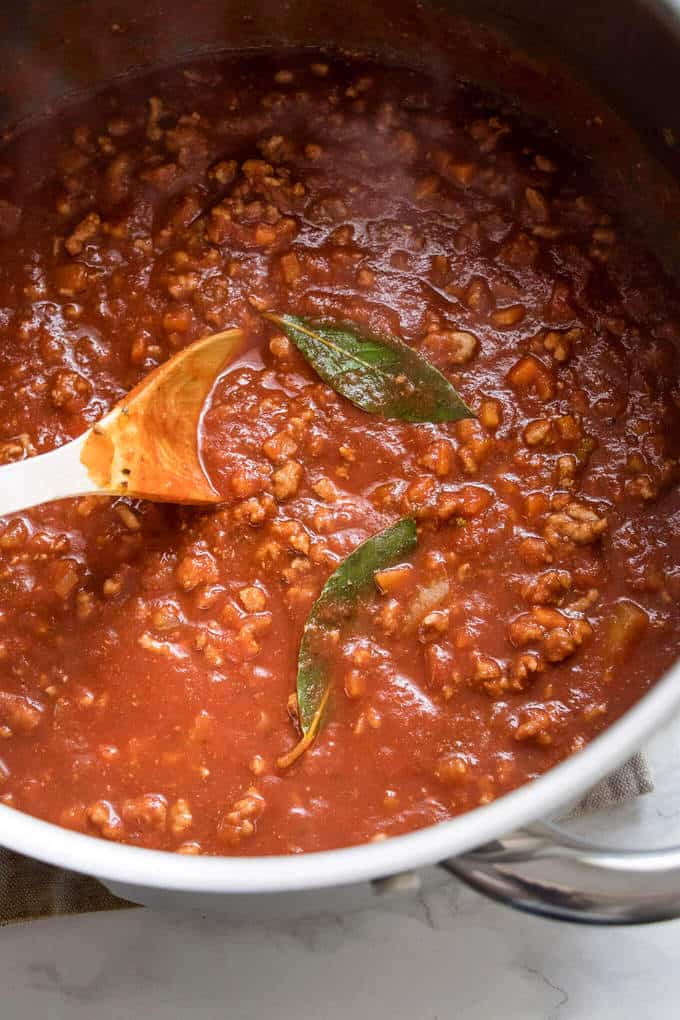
[[166, 870]]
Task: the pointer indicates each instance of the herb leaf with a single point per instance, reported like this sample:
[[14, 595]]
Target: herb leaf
[[380, 374], [332, 609]]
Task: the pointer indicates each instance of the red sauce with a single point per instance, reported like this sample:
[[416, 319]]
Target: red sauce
[[148, 652]]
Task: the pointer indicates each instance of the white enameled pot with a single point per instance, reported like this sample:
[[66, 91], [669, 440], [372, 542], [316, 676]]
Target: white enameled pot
[[273, 887], [636, 48]]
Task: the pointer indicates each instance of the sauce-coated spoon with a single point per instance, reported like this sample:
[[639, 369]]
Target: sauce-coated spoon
[[147, 446]]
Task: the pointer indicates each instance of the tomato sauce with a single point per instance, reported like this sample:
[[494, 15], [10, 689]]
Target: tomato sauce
[[148, 653]]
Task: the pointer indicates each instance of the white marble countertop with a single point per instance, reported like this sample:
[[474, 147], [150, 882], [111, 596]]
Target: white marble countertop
[[446, 953]]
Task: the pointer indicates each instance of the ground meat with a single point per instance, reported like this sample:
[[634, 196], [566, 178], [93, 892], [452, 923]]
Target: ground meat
[[85, 231], [576, 523], [549, 587], [149, 653]]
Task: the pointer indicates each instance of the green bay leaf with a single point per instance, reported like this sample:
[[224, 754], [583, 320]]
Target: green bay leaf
[[334, 609], [378, 373]]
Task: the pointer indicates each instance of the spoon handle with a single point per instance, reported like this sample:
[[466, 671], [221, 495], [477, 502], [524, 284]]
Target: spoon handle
[[54, 475]]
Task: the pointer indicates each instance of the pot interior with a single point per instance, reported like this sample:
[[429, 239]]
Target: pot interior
[[557, 69]]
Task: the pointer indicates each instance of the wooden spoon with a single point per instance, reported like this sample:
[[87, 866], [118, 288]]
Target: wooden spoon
[[147, 446]]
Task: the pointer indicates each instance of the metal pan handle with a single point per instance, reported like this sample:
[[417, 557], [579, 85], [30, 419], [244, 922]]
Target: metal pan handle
[[579, 882]]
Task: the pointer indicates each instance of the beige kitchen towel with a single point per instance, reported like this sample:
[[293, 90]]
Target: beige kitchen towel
[[631, 780], [30, 890]]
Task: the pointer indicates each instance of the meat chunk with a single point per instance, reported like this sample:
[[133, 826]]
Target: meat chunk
[[15, 449], [19, 713], [553, 633], [576, 523], [70, 391], [239, 821], [84, 232], [548, 588], [197, 567], [287, 479]]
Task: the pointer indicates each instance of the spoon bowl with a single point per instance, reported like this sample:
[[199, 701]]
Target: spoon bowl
[[147, 446]]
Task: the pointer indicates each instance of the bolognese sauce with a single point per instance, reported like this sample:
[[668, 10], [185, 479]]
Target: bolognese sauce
[[148, 653]]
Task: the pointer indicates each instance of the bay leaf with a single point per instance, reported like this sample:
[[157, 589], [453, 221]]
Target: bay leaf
[[334, 610], [378, 373]]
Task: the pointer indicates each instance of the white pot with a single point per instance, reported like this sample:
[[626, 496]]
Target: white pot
[[272, 887], [269, 887]]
